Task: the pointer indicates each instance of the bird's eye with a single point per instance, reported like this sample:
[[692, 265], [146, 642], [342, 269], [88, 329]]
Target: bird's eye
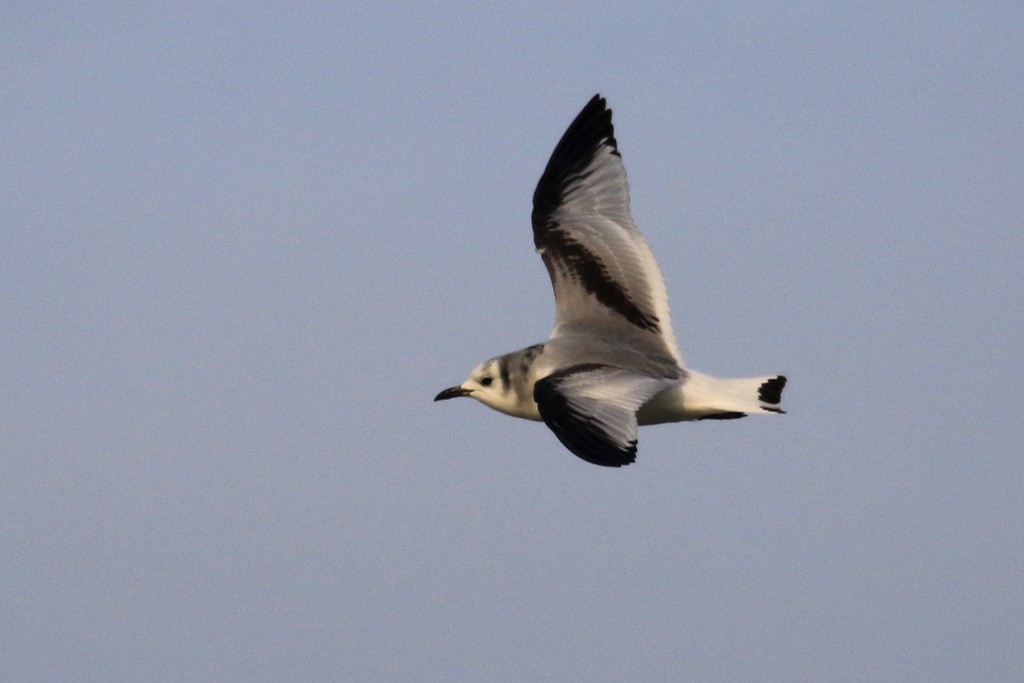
[[486, 381]]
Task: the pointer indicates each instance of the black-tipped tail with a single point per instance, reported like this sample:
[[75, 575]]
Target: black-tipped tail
[[770, 392]]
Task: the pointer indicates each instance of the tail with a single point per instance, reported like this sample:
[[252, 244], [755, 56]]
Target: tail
[[713, 398]]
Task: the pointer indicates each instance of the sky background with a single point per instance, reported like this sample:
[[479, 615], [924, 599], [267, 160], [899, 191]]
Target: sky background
[[242, 249]]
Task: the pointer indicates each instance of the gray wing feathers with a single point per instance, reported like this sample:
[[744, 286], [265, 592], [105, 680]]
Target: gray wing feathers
[[592, 410], [601, 268]]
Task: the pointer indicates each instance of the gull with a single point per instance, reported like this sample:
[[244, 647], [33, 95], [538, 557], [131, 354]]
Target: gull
[[612, 362]]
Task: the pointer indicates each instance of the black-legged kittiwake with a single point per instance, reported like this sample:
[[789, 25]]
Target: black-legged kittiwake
[[612, 362]]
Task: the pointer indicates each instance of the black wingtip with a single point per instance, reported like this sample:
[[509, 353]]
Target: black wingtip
[[618, 458], [591, 129], [593, 124]]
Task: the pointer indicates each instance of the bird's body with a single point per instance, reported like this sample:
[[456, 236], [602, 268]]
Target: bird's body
[[612, 362]]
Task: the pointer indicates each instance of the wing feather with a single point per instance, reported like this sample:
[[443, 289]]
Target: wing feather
[[592, 410], [602, 270]]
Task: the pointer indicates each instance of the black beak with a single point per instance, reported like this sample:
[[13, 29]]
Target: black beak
[[452, 392]]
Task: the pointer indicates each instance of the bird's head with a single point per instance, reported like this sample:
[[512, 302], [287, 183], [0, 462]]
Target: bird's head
[[487, 385]]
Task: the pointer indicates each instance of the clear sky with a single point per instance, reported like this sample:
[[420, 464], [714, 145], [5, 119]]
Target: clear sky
[[242, 249]]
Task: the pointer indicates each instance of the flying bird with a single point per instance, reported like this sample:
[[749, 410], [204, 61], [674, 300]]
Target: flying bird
[[612, 362]]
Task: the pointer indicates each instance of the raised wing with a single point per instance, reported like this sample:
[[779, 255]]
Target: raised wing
[[605, 278], [592, 410]]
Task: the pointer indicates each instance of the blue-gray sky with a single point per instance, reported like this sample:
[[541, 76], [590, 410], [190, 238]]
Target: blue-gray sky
[[241, 249]]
